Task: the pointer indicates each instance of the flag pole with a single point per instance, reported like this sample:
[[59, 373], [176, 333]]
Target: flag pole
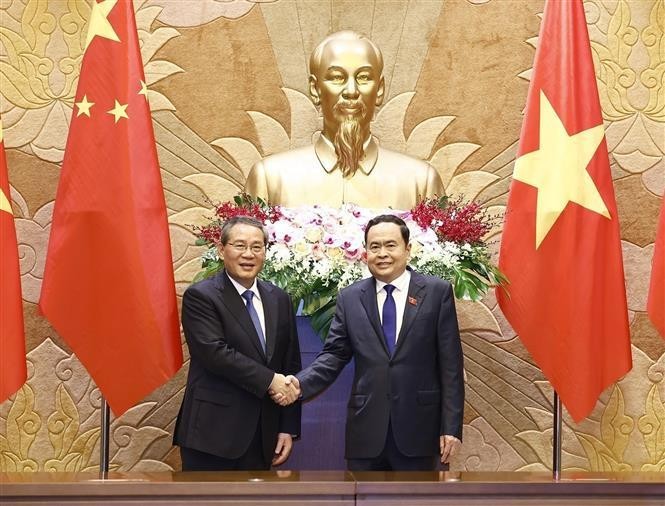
[[104, 439], [556, 446]]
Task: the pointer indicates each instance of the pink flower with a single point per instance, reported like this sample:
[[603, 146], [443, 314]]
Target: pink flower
[[353, 253]]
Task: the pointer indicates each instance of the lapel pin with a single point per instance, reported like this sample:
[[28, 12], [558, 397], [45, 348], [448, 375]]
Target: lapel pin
[[413, 301]]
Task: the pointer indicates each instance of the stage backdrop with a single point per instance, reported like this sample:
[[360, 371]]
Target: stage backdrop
[[228, 84]]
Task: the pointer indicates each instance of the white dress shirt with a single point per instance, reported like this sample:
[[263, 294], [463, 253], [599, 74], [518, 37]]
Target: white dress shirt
[[256, 301], [400, 293]]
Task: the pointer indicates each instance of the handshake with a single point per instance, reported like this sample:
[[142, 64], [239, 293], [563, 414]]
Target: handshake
[[284, 390]]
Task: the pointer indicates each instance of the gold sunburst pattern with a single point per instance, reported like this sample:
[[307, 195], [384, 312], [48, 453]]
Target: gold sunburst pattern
[[227, 85]]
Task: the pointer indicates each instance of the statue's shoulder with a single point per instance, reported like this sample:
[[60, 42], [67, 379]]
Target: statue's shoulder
[[289, 160], [404, 162]]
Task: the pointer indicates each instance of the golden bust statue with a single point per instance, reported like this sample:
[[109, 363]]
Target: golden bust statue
[[345, 164]]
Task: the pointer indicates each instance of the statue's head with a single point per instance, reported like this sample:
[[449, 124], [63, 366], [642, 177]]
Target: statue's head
[[346, 81]]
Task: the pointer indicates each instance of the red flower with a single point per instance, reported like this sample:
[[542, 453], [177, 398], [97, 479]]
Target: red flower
[[242, 205], [453, 220]]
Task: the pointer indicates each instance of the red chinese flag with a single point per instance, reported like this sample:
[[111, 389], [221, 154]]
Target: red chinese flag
[[12, 336], [108, 283], [561, 248], [656, 301]]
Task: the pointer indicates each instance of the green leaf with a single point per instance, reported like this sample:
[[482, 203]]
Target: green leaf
[[322, 319]]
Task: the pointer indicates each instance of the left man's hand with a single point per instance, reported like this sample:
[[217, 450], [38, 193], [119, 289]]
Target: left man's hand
[[449, 446], [283, 389], [288, 394], [283, 448]]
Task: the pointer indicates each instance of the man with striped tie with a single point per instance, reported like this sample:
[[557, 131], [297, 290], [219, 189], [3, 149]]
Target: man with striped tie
[[241, 334]]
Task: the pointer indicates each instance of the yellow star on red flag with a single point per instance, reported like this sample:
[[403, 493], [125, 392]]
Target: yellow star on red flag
[[559, 169], [119, 111], [144, 90], [4, 203], [99, 25], [84, 107]]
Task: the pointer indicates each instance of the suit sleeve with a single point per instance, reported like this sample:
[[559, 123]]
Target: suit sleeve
[[451, 364], [207, 343], [290, 415], [336, 353]]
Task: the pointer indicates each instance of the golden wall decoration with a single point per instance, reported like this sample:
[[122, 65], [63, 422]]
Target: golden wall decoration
[[228, 86]]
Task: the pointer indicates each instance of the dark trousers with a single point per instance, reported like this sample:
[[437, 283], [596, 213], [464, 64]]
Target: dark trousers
[[252, 460], [391, 459]]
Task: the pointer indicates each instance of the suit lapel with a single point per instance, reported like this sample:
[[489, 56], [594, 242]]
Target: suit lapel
[[270, 315], [368, 300], [236, 307], [414, 301]]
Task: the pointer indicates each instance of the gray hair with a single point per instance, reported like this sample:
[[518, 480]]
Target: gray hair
[[242, 220], [317, 54]]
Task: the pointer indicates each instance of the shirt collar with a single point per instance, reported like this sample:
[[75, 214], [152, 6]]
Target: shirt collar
[[401, 282], [325, 152], [241, 289]]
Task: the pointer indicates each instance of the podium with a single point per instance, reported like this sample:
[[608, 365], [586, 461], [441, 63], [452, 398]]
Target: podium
[[335, 488]]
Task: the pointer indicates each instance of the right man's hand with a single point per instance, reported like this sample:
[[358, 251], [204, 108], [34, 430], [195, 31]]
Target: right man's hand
[[448, 446], [284, 390]]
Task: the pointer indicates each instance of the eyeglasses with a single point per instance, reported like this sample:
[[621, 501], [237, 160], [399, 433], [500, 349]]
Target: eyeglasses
[[241, 247]]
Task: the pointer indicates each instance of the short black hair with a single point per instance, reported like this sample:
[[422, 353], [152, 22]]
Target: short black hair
[[242, 220], [389, 218]]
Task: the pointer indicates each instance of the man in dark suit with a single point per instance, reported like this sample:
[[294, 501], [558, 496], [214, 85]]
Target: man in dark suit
[[407, 400], [239, 331]]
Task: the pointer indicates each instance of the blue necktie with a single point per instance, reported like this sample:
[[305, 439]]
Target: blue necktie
[[389, 321], [248, 295]]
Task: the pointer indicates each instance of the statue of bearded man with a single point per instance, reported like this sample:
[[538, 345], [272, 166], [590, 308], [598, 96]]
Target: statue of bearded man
[[345, 164]]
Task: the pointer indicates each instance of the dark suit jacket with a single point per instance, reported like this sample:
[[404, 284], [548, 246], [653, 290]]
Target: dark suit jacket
[[229, 374], [420, 389]]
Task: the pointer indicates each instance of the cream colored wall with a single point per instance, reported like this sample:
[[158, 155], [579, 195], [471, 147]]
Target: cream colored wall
[[227, 84]]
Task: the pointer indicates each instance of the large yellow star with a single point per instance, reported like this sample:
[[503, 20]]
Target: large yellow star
[[119, 111], [84, 106], [99, 24], [558, 170]]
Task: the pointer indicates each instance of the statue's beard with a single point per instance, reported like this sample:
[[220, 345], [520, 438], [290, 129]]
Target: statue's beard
[[349, 139]]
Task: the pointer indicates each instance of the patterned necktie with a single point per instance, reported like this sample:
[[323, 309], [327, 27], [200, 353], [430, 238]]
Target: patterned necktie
[[389, 321], [248, 295]]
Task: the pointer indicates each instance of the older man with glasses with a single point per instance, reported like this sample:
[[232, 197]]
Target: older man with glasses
[[242, 340]]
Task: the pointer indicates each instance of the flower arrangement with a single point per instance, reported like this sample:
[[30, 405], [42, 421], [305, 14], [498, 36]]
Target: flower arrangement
[[315, 251]]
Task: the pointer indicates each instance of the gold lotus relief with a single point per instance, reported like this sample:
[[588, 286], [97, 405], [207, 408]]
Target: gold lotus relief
[[485, 450], [630, 68], [623, 433], [52, 423], [32, 233], [198, 13], [43, 46], [637, 267]]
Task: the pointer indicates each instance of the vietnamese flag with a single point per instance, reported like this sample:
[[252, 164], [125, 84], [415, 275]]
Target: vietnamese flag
[[12, 336], [561, 248], [108, 285], [656, 301]]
